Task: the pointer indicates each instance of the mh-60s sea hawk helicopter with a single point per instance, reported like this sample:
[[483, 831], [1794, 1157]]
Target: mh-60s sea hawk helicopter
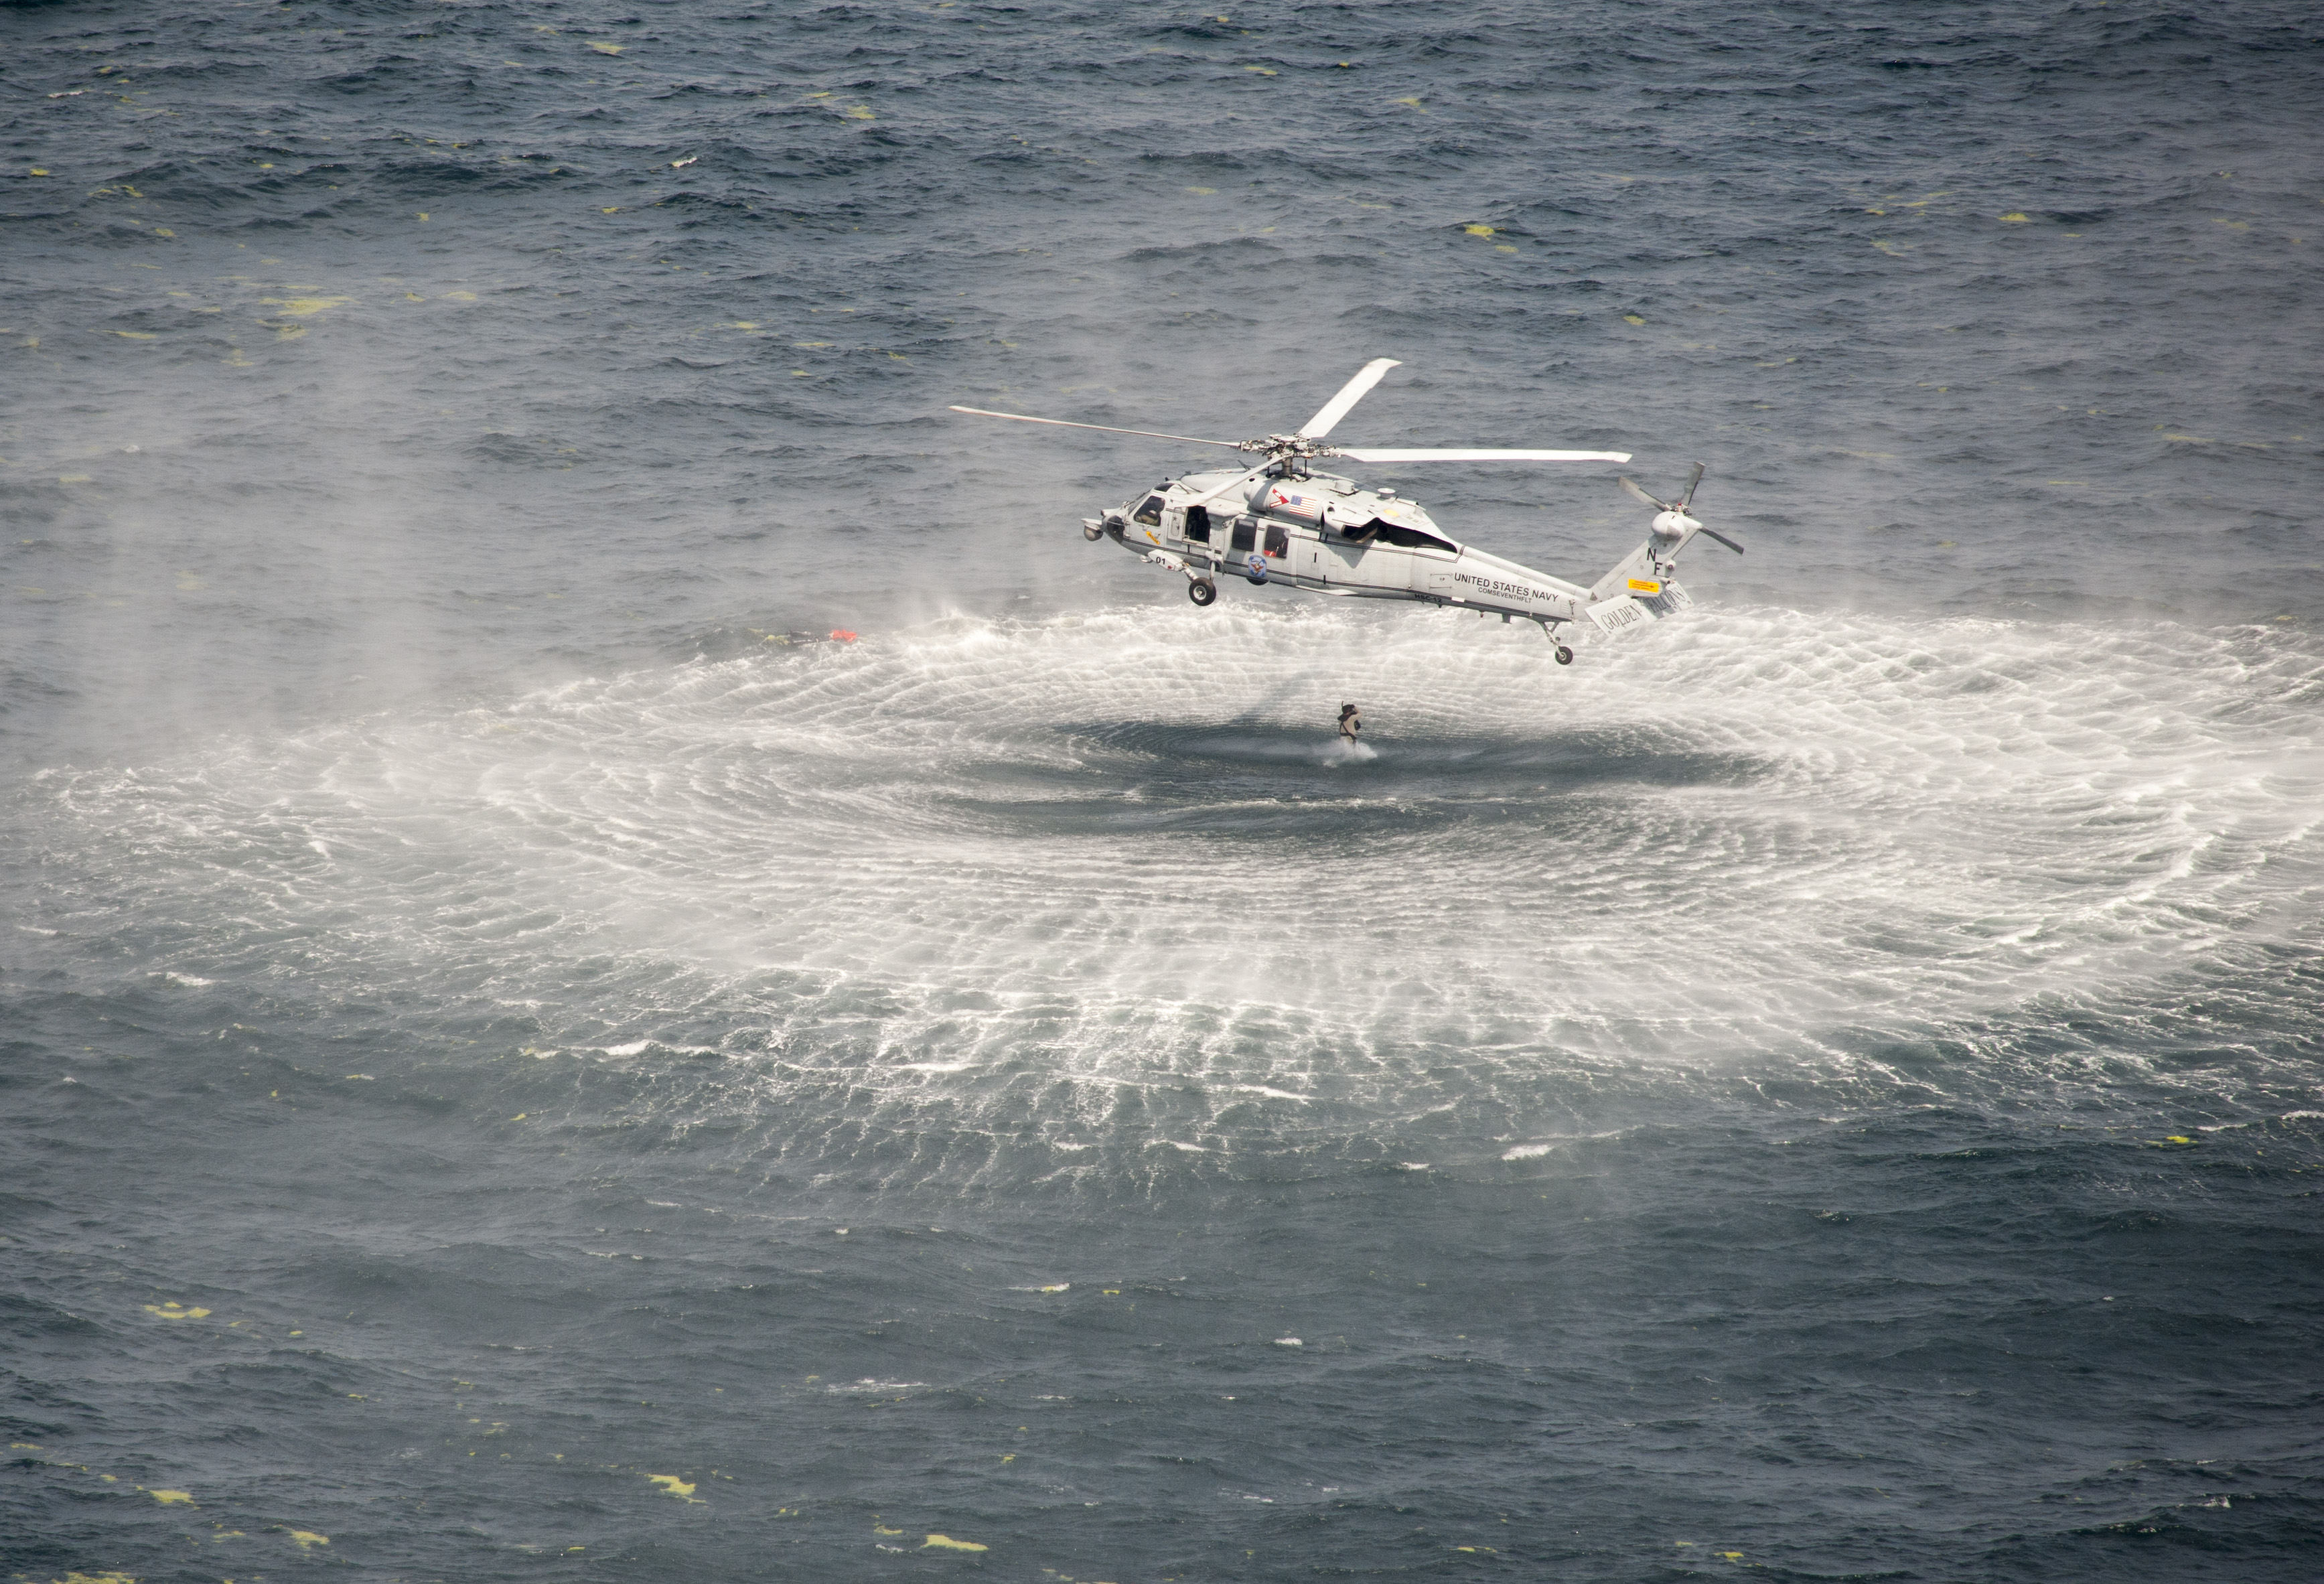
[[1284, 523]]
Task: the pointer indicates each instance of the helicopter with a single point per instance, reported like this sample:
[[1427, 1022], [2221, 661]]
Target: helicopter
[[1284, 523]]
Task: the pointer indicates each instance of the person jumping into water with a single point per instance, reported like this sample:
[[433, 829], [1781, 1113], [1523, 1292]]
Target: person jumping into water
[[1351, 721]]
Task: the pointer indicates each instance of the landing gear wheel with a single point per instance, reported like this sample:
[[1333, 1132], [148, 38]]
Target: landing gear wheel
[[1202, 590], [1564, 655]]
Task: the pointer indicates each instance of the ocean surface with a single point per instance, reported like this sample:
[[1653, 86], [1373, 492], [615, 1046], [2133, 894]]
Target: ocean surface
[[1830, 1087]]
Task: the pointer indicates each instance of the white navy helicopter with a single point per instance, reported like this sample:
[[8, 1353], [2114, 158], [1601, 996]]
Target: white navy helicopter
[[1284, 523]]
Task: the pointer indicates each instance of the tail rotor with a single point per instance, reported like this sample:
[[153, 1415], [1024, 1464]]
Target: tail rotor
[[1673, 526]]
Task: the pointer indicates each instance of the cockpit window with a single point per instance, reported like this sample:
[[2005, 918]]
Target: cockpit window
[[1150, 514]]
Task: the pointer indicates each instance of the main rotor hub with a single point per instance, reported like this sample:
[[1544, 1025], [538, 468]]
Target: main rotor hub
[[1280, 447]]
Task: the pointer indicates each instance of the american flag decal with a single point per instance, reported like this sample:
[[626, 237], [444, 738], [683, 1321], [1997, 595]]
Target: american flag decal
[[1297, 505]]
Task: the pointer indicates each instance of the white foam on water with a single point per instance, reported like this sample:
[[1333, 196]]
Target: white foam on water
[[1270, 1094], [999, 857]]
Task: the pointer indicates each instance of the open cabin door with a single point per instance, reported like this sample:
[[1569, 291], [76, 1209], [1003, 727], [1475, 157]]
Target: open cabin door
[[1356, 553]]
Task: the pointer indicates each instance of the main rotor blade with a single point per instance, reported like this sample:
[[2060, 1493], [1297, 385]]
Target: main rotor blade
[[1336, 409], [1687, 494], [1642, 496], [1371, 454], [1721, 537], [1106, 428], [1232, 483]]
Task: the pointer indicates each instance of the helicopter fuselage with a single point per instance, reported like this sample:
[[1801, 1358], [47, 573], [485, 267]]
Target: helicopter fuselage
[[1307, 530]]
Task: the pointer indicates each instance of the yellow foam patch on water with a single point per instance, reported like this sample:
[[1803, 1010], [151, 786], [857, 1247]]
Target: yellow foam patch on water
[[860, 113], [2191, 440], [1262, 70], [1503, 247], [877, 1530], [2015, 218], [1478, 230], [82, 478], [171, 1498], [946, 1543], [1732, 1556], [36, 171], [423, 214], [604, 49], [1632, 320], [672, 1484], [1202, 191], [1056, 1287], [303, 308], [95, 1578], [134, 334], [1891, 249], [171, 1310], [460, 296], [163, 231], [1414, 102], [308, 1540]]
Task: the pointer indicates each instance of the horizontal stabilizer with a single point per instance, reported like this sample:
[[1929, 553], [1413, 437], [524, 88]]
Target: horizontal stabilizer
[[1625, 612]]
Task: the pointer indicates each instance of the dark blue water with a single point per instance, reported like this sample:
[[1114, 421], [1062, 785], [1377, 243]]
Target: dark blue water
[[1828, 1086]]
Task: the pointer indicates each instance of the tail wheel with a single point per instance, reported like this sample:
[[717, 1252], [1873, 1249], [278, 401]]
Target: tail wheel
[[1202, 590], [1564, 655]]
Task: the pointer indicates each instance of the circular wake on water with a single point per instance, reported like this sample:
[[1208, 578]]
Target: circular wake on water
[[1107, 881]]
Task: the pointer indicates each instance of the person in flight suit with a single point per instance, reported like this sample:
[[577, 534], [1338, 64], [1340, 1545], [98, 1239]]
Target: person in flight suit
[[1351, 721]]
